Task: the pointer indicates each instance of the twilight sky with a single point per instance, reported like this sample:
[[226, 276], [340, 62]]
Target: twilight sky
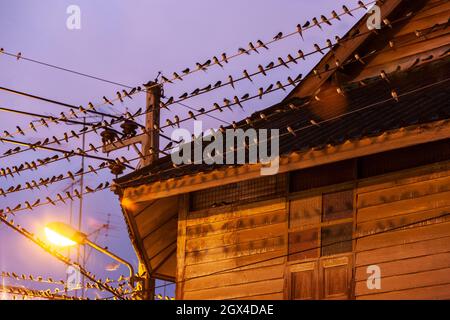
[[129, 42]]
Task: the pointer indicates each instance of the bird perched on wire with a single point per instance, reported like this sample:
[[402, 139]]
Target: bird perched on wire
[[246, 75], [281, 62], [242, 51], [261, 44], [347, 11], [231, 81], [252, 47], [325, 20], [107, 101], [278, 36], [216, 61], [318, 49]]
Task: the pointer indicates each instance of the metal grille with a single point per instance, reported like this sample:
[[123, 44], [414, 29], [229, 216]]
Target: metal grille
[[235, 193]]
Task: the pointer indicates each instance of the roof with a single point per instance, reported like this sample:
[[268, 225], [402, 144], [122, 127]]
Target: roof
[[365, 109]]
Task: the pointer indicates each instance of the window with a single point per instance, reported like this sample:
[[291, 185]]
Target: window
[[321, 225], [320, 243]]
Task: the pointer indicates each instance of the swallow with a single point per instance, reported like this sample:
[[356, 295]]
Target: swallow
[[74, 134], [359, 59], [207, 63], [301, 55], [177, 121], [387, 22], [191, 115], [100, 186], [60, 198], [291, 81], [91, 169], [19, 130], [217, 107], [262, 70], [195, 92], [261, 44], [88, 189], [347, 11], [335, 15], [19, 55], [316, 46], [126, 94], [280, 86], [245, 96], [93, 148], [252, 47], [281, 62], [216, 61], [291, 59], [325, 20], [269, 88], [362, 5], [186, 71], [224, 57], [69, 196], [200, 66], [201, 110], [260, 92], [291, 131], [300, 30], [77, 193], [36, 203], [242, 51], [119, 96], [28, 205], [105, 99], [236, 101], [314, 123], [394, 95], [230, 80], [298, 78], [329, 43], [278, 36], [270, 65], [316, 23], [183, 96], [246, 75], [207, 88], [32, 127], [218, 84], [177, 76]]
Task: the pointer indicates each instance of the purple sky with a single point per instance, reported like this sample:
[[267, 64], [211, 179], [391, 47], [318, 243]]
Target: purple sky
[[129, 42]]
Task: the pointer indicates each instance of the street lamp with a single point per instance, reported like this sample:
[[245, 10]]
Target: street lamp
[[64, 235]]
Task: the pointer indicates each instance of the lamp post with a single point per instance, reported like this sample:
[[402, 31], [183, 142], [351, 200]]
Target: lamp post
[[64, 235]]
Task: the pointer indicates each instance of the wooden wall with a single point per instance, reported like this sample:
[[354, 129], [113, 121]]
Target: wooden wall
[[414, 260], [243, 252], [235, 252]]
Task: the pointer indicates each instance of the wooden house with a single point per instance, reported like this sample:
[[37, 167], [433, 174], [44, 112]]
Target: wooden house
[[363, 182]]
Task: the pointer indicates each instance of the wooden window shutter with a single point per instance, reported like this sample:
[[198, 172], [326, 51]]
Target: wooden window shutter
[[336, 276], [303, 282], [337, 205]]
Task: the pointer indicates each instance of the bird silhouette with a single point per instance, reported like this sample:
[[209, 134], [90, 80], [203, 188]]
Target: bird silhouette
[[261, 44], [278, 36]]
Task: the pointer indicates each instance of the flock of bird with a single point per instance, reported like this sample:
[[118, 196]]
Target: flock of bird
[[110, 135]]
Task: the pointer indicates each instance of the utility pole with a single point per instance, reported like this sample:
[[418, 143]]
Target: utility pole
[[149, 141]]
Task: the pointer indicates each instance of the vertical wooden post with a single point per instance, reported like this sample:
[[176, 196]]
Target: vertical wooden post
[[151, 141]]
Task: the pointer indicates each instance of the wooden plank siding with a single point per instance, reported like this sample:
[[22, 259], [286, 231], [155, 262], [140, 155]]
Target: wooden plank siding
[[414, 260], [236, 252]]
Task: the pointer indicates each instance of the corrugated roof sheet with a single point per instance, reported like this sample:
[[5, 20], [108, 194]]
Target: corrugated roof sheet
[[364, 111]]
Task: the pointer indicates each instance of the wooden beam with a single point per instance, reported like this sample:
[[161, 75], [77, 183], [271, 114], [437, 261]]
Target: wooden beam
[[124, 143], [391, 140], [311, 82]]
